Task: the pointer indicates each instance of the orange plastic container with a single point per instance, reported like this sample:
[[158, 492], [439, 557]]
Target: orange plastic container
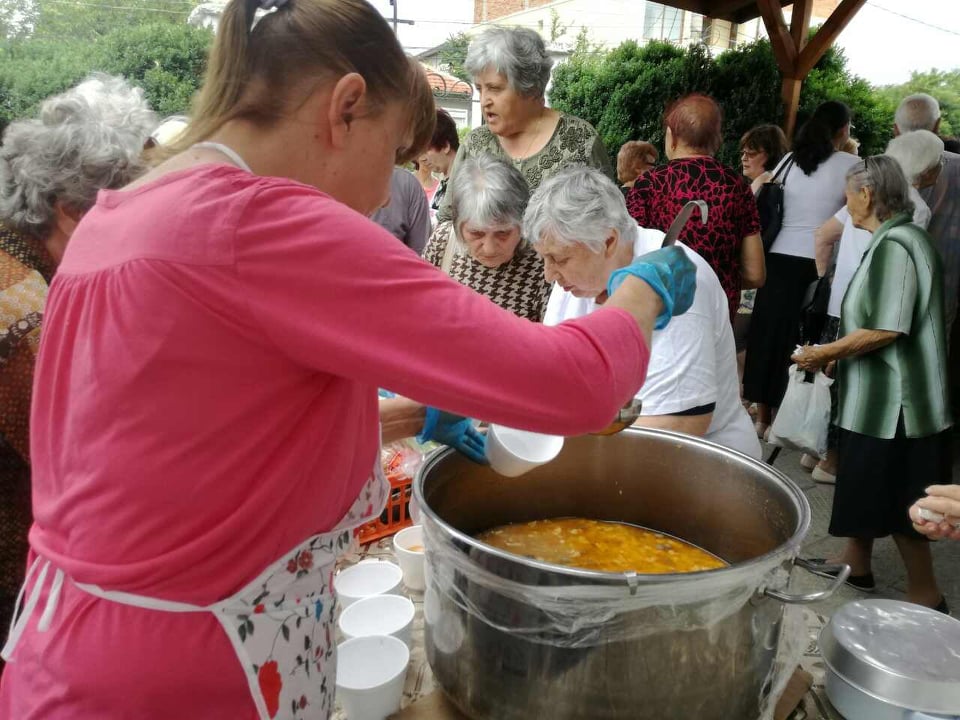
[[396, 515]]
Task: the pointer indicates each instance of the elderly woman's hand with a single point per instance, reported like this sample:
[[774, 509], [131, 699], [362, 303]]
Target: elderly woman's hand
[[944, 500], [669, 273], [811, 358]]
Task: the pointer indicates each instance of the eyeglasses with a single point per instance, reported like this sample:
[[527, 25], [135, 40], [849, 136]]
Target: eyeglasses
[[749, 153]]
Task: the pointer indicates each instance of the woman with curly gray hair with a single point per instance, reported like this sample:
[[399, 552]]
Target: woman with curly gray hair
[[51, 168], [511, 69]]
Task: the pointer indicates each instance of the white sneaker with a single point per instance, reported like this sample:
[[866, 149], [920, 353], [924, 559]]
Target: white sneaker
[[822, 476], [808, 462]]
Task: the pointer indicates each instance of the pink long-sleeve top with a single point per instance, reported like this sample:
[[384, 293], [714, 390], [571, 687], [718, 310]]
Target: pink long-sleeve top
[[205, 398]]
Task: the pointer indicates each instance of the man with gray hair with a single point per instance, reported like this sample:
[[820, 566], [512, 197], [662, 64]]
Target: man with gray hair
[[578, 223], [51, 169], [940, 190], [917, 112]]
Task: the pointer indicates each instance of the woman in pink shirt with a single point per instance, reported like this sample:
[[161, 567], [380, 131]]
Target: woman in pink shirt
[[206, 417]]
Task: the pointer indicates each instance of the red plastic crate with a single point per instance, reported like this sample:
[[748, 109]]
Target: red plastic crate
[[396, 515]]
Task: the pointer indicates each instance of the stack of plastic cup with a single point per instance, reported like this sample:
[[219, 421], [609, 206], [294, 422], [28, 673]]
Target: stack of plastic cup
[[370, 675], [370, 577], [379, 615]]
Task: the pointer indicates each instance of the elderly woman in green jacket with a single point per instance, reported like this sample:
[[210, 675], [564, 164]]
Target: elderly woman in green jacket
[[893, 413]]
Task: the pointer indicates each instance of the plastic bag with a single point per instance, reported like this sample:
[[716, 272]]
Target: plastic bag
[[804, 416]]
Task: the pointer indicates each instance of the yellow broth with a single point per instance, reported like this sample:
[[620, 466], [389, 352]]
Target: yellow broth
[[600, 545]]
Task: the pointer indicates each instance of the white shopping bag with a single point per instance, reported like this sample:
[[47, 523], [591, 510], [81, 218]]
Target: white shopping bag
[[804, 416]]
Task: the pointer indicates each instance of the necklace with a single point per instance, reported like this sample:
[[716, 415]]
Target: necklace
[[227, 151], [518, 161]]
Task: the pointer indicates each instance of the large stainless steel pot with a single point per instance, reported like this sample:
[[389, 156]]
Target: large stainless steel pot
[[511, 638]]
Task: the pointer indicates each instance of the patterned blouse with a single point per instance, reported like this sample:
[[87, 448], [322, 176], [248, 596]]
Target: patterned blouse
[[517, 286], [659, 195], [573, 143], [25, 270]]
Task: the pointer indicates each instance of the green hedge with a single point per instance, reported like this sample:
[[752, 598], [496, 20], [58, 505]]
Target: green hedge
[[167, 60], [623, 93]]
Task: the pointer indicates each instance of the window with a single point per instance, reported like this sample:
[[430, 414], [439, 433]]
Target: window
[[662, 23]]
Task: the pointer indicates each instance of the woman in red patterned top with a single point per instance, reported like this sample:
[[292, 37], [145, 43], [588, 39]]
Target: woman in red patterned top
[[730, 242]]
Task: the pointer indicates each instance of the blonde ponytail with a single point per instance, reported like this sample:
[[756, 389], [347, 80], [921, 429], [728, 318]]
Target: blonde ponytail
[[260, 71]]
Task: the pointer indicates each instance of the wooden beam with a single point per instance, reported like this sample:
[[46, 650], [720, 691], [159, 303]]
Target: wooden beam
[[698, 6], [784, 48], [791, 103], [751, 12], [727, 9], [826, 35], [800, 22]]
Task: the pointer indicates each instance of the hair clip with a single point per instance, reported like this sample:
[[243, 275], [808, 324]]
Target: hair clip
[[258, 9]]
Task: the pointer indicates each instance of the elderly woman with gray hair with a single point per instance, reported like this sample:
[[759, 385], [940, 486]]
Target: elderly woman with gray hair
[[51, 168], [578, 223], [511, 68], [893, 413], [839, 246], [482, 246]]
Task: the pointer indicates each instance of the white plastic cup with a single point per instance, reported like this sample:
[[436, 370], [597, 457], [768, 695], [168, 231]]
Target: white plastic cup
[[370, 577], [379, 615], [370, 676], [408, 547], [513, 452]]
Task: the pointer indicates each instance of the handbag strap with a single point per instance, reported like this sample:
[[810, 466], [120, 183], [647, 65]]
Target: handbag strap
[[785, 165], [448, 252]]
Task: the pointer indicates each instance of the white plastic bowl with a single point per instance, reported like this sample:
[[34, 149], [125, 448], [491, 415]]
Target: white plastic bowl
[[370, 577], [370, 676], [379, 615], [408, 547], [513, 452]]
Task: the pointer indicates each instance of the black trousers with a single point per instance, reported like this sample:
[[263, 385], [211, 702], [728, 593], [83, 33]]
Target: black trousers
[[775, 327]]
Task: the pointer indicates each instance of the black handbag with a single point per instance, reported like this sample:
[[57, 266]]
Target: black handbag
[[770, 204], [813, 310]]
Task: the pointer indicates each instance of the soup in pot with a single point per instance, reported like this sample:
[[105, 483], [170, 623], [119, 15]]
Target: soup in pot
[[600, 545]]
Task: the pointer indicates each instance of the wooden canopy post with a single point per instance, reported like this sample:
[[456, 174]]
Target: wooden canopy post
[[795, 56]]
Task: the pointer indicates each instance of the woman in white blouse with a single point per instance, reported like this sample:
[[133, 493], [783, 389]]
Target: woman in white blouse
[[813, 183], [579, 225]]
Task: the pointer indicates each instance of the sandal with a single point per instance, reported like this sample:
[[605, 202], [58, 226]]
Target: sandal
[[763, 429]]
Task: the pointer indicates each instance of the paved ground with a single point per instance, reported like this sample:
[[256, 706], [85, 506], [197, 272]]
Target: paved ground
[[887, 567]]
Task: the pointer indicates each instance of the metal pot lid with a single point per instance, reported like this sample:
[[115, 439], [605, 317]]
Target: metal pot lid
[[898, 652]]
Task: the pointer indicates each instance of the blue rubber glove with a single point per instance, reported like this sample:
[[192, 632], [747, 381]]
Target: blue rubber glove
[[456, 431], [669, 273]]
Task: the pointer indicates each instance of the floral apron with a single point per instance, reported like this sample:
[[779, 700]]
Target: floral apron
[[280, 624]]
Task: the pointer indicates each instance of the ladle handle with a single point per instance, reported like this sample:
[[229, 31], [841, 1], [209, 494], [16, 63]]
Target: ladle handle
[[676, 227], [821, 570]]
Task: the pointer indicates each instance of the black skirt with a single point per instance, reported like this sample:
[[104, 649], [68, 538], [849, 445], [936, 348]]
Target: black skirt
[[878, 480], [775, 327]]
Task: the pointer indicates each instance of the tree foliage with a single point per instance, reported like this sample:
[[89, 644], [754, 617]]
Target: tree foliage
[[453, 54], [165, 59], [943, 85], [623, 93], [91, 20]]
